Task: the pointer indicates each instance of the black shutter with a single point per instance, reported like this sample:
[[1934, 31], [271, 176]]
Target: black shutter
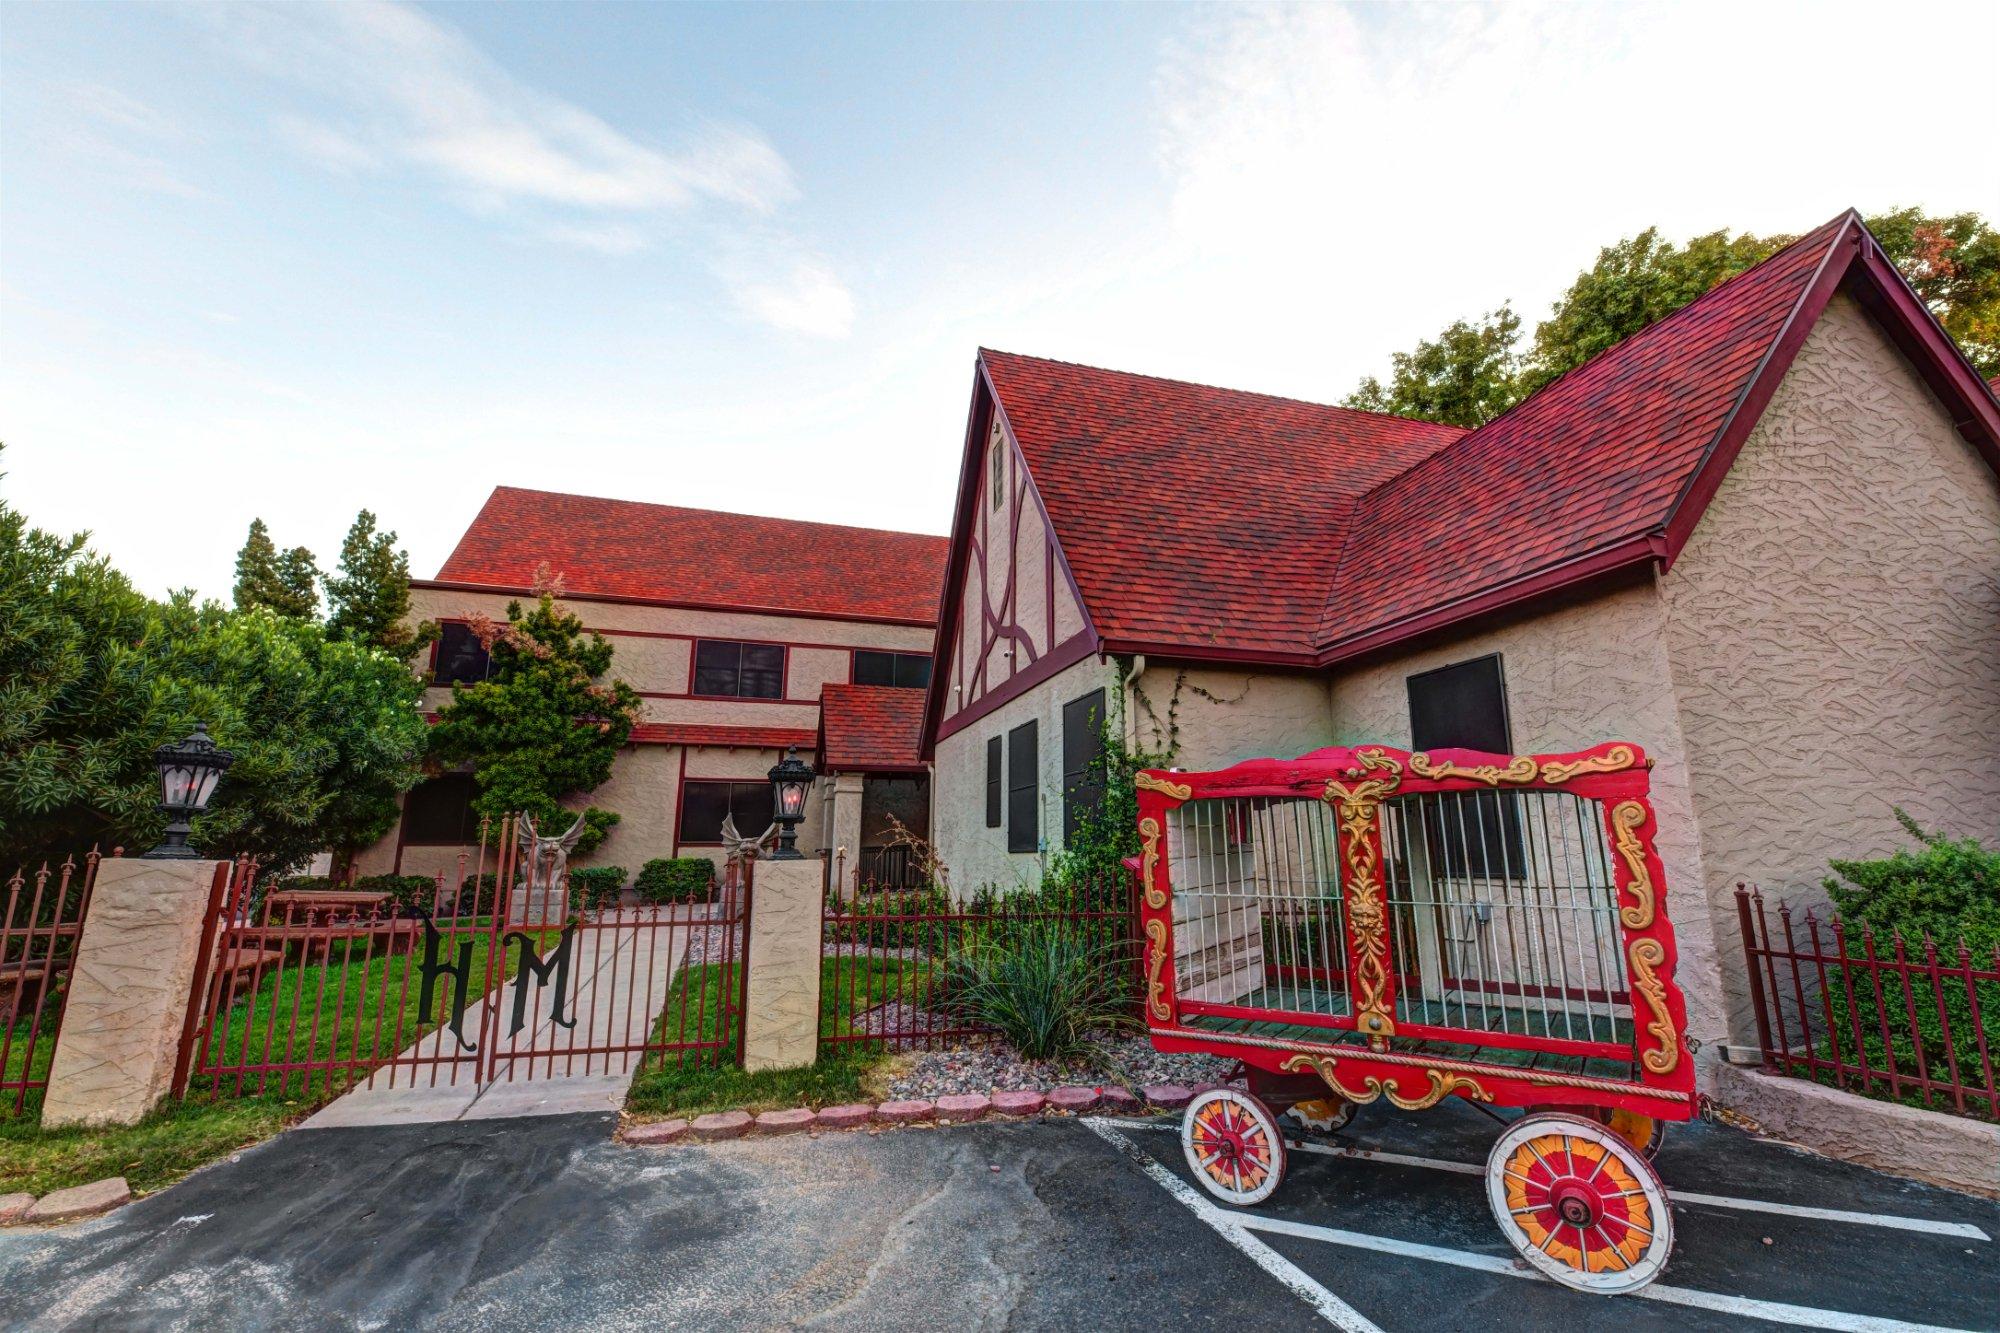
[[993, 759], [1022, 777], [1464, 706], [1083, 759]]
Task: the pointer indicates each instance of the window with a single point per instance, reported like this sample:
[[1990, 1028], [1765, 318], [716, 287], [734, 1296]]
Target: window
[[438, 813], [911, 670], [1464, 706], [460, 656], [1083, 759], [994, 791], [704, 805], [997, 482], [739, 670], [1023, 835]]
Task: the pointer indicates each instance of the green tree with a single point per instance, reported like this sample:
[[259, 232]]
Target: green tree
[[326, 733], [542, 730], [1465, 377], [78, 721], [286, 583], [1472, 372], [368, 598]]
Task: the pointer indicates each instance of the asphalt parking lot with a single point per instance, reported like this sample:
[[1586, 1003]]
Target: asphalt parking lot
[[547, 1223]]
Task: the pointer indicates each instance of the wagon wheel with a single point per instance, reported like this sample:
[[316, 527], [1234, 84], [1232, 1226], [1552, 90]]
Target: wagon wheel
[[1233, 1145], [1641, 1131], [1580, 1203], [1323, 1115]]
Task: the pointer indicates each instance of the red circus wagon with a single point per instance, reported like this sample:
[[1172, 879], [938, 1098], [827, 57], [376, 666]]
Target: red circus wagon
[[1370, 924]]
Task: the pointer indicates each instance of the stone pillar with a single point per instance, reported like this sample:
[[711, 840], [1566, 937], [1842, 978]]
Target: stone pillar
[[781, 1019], [846, 831], [128, 992]]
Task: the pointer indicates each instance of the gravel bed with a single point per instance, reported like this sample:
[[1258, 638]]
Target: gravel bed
[[981, 1068], [833, 949]]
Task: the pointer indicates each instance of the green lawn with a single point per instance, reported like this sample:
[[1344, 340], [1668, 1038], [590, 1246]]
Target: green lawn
[[690, 1083]]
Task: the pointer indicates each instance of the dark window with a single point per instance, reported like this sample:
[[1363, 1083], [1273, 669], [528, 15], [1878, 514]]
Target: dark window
[[438, 813], [1083, 759], [705, 804], [999, 478], [1464, 707], [994, 785], [1022, 775], [739, 670], [460, 657], [910, 670]]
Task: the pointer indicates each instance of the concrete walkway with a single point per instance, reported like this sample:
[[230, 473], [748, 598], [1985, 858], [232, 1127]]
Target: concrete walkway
[[620, 978]]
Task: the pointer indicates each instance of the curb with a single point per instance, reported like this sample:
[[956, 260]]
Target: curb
[[951, 1109]]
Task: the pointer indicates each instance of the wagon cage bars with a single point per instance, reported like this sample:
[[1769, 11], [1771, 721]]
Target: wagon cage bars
[[1364, 924]]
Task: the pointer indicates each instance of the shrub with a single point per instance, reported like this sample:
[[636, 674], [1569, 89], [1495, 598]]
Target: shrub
[[592, 887], [1043, 985], [407, 892], [679, 879], [1947, 890]]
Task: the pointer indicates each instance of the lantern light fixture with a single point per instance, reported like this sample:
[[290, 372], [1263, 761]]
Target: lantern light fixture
[[189, 773], [791, 781]]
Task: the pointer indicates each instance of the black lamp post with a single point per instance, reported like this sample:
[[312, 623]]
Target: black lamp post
[[791, 780], [189, 770]]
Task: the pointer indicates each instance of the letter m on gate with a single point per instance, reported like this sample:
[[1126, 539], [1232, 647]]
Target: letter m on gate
[[555, 966]]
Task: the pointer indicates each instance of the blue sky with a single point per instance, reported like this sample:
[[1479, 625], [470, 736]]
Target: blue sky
[[292, 261]]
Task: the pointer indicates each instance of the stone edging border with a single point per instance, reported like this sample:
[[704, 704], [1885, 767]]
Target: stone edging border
[[956, 1109], [65, 1205]]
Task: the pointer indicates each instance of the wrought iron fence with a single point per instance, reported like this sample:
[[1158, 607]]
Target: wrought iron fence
[[893, 962], [1906, 1020], [39, 929]]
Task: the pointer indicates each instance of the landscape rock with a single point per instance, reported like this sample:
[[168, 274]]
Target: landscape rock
[[851, 1116], [99, 1196], [902, 1113], [1074, 1100], [1120, 1100], [1166, 1096], [13, 1205]]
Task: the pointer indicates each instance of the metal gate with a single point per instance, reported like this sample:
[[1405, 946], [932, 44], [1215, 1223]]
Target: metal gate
[[486, 972], [39, 929]]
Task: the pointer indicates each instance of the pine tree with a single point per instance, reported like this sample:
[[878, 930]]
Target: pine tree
[[287, 584], [368, 599]]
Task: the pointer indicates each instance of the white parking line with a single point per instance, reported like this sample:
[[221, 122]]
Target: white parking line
[[1228, 1225], [1962, 1230], [1234, 1226], [1778, 1312]]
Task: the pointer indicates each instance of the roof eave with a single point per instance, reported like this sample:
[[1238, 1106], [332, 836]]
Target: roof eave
[[674, 603]]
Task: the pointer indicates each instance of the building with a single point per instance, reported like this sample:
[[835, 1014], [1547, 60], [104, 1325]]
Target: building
[[1761, 538], [732, 628]]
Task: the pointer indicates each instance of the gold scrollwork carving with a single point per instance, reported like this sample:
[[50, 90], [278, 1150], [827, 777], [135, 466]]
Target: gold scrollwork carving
[[1367, 919], [1627, 817], [1156, 962], [1519, 769], [1149, 861], [1442, 1085], [1647, 956], [1614, 760], [1179, 791]]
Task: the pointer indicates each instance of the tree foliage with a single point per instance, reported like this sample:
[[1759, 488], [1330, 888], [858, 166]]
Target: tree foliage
[[541, 731], [94, 676], [286, 583], [1473, 371], [368, 595]]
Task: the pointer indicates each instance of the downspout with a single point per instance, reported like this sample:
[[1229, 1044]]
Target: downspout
[[1125, 700]]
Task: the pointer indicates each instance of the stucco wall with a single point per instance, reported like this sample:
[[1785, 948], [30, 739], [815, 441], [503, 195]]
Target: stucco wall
[[1218, 718], [975, 854], [1575, 676], [1833, 626]]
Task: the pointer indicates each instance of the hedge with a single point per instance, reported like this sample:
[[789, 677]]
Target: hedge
[[596, 886], [679, 879]]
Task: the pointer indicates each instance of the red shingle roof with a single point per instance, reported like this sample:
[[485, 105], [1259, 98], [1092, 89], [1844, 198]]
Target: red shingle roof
[[1227, 524], [702, 733], [1196, 514], [869, 728], [700, 557]]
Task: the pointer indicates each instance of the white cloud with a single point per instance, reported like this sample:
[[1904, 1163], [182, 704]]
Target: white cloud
[[804, 297], [117, 134], [611, 238], [326, 145]]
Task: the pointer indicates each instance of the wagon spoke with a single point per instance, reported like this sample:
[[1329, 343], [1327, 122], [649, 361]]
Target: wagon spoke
[[1616, 1253]]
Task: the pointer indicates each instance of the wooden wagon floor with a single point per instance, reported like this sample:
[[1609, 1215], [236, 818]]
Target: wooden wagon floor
[[1411, 1009]]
